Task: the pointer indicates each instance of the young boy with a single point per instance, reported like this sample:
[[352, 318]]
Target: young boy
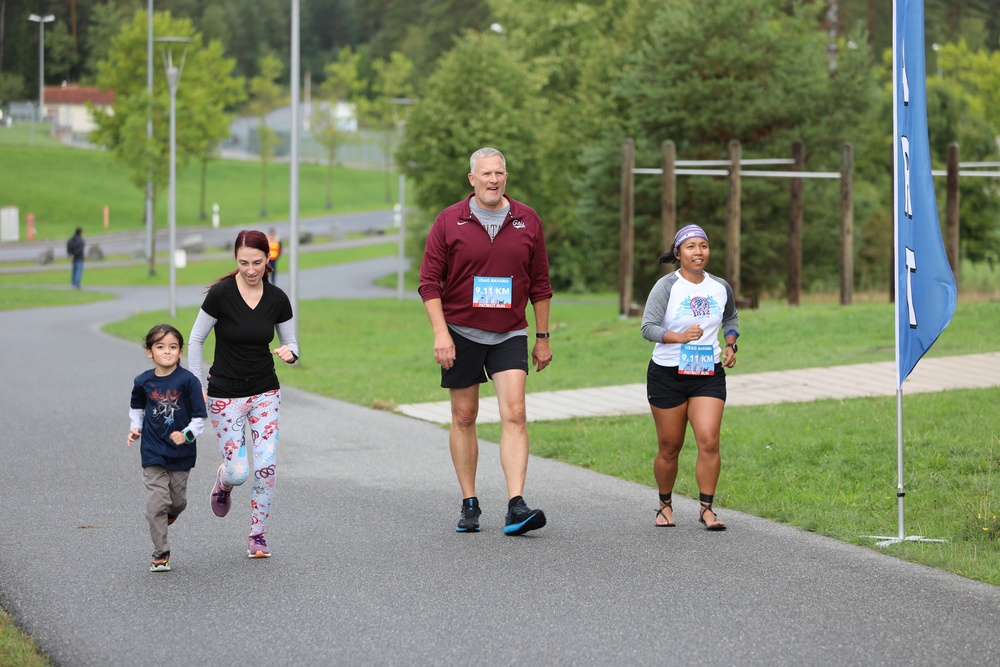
[[168, 411]]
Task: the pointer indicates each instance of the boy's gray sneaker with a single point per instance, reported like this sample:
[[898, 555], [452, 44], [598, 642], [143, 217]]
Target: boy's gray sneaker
[[161, 564], [468, 522]]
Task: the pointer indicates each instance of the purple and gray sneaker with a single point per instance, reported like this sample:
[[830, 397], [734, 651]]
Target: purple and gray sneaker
[[220, 496], [257, 547]]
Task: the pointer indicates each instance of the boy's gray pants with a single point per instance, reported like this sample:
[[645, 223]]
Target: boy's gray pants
[[166, 493]]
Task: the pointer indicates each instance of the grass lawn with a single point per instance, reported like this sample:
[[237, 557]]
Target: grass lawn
[[64, 188], [15, 297], [17, 649]]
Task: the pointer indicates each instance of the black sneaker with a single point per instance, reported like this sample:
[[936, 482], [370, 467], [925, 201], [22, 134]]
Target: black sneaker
[[468, 522], [520, 519]]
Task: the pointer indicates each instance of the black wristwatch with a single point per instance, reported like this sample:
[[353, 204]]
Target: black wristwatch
[[734, 346], [188, 435], [542, 335]]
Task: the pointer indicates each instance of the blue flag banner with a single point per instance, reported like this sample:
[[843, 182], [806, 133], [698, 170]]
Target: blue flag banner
[[925, 285]]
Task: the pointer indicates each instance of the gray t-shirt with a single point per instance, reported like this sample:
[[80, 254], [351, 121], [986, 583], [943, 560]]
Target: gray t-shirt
[[491, 220]]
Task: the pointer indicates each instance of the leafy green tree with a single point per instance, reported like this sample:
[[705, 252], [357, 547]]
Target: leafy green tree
[[342, 84], [963, 106], [387, 109], [265, 96], [212, 124], [747, 70], [60, 56], [204, 93], [579, 54], [106, 21], [458, 112]]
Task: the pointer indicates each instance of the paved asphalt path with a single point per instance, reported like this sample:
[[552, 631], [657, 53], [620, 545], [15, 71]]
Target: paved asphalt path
[[367, 568], [119, 243]]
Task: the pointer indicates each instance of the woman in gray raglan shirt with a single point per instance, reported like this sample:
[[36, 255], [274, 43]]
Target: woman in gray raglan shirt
[[686, 378]]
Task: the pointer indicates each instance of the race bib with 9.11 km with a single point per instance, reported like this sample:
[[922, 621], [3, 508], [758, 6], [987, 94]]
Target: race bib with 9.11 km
[[492, 292], [696, 360]]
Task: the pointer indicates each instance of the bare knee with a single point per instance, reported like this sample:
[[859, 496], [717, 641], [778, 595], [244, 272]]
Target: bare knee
[[670, 449], [464, 418], [709, 448], [515, 416]]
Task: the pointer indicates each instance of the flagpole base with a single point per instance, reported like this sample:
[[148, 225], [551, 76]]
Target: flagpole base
[[887, 541]]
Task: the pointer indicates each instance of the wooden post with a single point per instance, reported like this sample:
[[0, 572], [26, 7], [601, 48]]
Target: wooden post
[[668, 197], [951, 210], [796, 213], [846, 224], [626, 245], [733, 218]]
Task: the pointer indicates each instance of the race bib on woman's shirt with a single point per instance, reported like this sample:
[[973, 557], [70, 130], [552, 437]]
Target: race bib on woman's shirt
[[696, 360], [492, 292]]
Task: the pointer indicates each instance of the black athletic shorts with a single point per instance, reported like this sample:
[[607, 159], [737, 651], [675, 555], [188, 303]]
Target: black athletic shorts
[[666, 388], [475, 362]]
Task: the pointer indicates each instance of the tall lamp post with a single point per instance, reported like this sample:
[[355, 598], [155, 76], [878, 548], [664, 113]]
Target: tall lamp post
[[293, 184], [399, 218], [41, 21], [150, 223], [168, 44]]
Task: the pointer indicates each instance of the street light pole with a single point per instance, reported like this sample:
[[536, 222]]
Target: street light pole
[[41, 21], [173, 80], [399, 219], [150, 223], [293, 195]]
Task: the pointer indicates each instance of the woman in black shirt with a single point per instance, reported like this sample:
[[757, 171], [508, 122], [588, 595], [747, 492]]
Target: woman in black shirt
[[244, 308]]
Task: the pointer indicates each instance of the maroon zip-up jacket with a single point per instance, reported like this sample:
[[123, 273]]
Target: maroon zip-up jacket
[[459, 249]]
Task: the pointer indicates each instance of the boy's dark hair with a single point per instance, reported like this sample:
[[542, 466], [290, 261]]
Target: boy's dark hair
[[157, 333]]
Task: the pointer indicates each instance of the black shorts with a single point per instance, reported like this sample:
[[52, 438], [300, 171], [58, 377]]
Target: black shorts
[[475, 362], [666, 388]]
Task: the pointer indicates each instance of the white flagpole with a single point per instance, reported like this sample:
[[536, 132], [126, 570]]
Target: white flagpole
[[900, 493], [900, 296]]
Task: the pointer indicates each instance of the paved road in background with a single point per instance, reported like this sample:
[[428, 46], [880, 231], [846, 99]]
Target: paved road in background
[[367, 568], [128, 243]]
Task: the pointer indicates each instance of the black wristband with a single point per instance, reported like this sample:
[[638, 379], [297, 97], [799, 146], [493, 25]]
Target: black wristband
[[542, 335]]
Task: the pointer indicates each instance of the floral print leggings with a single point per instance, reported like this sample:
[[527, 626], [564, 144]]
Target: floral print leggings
[[229, 417]]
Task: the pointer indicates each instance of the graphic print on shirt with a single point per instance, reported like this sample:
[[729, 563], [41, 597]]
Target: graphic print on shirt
[[697, 359], [165, 407], [698, 306]]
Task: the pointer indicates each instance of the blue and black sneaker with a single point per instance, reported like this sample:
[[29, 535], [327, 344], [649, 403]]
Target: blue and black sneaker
[[468, 522], [520, 519]]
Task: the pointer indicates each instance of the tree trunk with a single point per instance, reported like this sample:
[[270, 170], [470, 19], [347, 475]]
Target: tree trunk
[[152, 240], [263, 185], [3, 11], [329, 179], [72, 20], [204, 180]]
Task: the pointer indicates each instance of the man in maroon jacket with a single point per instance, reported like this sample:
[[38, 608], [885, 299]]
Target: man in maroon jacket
[[484, 261]]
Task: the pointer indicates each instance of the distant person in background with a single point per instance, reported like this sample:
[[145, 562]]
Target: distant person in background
[[273, 252], [74, 248], [686, 379]]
